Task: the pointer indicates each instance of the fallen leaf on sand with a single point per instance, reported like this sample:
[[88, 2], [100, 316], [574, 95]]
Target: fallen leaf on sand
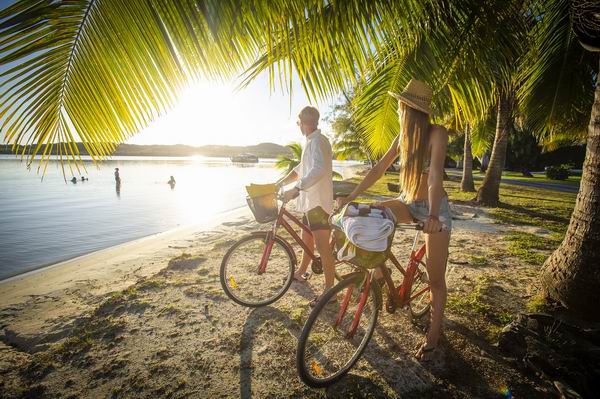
[[316, 368], [232, 283]]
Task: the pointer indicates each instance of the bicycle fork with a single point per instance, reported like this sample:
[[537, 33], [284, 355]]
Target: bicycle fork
[[265, 258], [361, 303]]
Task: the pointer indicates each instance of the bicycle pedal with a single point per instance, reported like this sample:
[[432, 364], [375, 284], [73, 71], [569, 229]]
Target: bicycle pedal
[[316, 266]]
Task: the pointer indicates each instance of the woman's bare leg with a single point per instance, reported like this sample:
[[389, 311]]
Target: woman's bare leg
[[399, 209], [437, 255]]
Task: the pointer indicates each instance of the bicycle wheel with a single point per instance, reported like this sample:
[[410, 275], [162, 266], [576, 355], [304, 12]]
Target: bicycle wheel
[[325, 352], [240, 276], [420, 305]]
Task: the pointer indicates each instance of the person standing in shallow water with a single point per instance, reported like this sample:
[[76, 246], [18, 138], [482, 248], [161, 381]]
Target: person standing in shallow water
[[171, 182], [117, 176], [422, 149]]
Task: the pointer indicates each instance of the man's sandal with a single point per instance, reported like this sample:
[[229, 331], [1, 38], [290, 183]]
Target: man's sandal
[[302, 279]]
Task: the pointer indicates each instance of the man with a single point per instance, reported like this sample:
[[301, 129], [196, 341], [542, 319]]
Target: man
[[314, 189], [117, 177]]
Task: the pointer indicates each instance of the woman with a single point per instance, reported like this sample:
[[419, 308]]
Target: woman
[[421, 147]]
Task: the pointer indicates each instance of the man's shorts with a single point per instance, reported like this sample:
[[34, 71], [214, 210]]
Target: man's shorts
[[316, 219]]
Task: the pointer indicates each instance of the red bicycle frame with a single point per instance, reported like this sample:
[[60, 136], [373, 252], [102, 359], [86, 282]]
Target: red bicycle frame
[[286, 225], [400, 299]]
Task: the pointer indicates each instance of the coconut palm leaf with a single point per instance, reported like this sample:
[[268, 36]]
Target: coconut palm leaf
[[558, 76], [288, 163]]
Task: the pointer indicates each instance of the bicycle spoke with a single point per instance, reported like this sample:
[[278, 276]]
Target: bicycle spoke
[[243, 278], [328, 349]]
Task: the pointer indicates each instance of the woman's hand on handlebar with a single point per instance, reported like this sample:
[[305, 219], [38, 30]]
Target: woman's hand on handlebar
[[432, 225], [342, 200]]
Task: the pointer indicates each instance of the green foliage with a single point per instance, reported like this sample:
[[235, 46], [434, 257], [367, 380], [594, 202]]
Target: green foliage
[[558, 172], [523, 151], [476, 302], [347, 142], [557, 77], [288, 163], [91, 71]]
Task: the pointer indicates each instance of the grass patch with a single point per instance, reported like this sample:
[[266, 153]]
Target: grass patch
[[531, 241], [526, 247], [477, 260], [298, 315], [151, 284], [537, 304], [476, 303], [170, 310]]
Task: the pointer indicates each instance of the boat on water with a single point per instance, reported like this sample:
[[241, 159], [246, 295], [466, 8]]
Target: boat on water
[[245, 157]]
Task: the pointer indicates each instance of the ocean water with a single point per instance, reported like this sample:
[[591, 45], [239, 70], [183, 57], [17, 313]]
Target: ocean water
[[46, 221]]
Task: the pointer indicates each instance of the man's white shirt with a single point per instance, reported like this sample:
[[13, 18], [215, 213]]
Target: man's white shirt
[[315, 174]]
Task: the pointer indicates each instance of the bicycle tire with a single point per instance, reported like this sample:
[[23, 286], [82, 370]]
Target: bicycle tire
[[284, 253], [301, 362]]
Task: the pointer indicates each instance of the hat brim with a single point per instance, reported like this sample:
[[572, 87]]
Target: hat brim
[[410, 103]]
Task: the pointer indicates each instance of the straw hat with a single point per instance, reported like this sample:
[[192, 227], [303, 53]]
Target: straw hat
[[416, 95]]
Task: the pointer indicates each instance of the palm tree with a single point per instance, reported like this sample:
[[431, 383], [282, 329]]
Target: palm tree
[[571, 275], [466, 183], [288, 163], [489, 192]]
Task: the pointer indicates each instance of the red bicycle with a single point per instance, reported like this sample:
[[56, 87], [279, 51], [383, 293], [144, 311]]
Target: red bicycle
[[258, 269], [334, 337]]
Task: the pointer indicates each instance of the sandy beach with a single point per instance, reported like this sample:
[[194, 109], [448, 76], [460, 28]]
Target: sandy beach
[[149, 319]]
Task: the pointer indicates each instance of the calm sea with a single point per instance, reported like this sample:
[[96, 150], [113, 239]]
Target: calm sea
[[44, 222]]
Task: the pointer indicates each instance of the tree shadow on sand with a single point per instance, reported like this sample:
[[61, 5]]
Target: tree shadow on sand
[[254, 321], [353, 386]]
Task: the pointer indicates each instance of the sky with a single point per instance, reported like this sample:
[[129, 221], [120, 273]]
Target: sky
[[219, 113]]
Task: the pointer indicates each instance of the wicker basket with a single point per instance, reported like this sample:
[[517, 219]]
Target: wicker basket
[[264, 208]]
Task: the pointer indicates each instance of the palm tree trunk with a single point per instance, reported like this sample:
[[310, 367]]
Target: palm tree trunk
[[571, 275], [466, 184], [488, 193]]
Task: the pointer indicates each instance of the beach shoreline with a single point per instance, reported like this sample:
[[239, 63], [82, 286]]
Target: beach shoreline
[[57, 275]]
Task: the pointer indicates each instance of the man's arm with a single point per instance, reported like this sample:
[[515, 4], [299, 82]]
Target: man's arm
[[319, 169], [289, 178]]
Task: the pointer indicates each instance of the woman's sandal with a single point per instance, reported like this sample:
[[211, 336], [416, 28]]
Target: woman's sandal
[[424, 350], [304, 278]]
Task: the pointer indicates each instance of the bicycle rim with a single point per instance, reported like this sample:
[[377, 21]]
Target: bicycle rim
[[420, 305], [325, 353], [240, 276]]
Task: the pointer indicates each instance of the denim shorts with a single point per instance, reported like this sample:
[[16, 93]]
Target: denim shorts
[[419, 210]]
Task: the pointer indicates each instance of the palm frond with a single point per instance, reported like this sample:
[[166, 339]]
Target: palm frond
[[558, 76]]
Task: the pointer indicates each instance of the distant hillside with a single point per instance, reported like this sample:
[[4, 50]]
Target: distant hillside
[[262, 150]]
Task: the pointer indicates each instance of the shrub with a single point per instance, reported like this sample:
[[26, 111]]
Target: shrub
[[557, 172]]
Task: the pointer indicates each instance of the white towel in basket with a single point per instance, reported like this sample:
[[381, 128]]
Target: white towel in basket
[[368, 233]]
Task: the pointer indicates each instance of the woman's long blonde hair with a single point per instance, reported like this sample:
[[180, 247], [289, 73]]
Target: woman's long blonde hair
[[413, 148]]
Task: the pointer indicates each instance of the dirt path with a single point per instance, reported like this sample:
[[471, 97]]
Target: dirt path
[[175, 334]]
